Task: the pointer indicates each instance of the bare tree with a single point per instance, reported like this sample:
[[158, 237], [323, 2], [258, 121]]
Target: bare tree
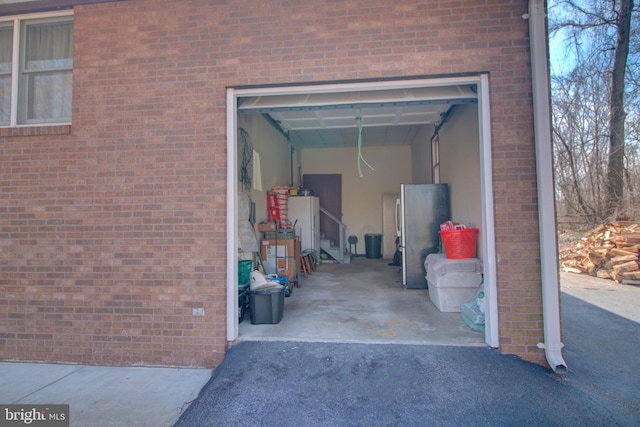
[[615, 176], [590, 103], [580, 128]]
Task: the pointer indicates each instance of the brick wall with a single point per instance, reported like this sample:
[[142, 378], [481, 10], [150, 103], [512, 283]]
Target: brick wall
[[113, 231]]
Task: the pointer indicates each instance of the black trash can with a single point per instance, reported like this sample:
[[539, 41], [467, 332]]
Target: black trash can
[[373, 245]]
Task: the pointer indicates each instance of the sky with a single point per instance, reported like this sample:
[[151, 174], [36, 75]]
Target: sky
[[559, 56]]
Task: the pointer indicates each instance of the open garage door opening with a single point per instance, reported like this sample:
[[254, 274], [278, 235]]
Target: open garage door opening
[[353, 147]]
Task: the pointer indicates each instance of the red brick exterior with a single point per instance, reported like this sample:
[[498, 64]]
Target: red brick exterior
[[112, 230]]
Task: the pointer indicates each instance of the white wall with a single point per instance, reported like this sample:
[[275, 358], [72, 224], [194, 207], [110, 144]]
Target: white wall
[[460, 165], [274, 152], [421, 156], [362, 197]]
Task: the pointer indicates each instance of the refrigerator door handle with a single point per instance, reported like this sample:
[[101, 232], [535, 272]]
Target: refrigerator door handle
[[398, 217]]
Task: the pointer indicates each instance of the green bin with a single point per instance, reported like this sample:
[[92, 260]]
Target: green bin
[[244, 271]]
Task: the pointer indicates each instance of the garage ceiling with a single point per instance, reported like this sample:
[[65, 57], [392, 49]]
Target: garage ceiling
[[389, 117]]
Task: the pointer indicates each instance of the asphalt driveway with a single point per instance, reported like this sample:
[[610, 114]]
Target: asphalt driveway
[[331, 384]]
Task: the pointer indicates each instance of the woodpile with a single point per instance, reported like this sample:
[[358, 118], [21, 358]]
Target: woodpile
[[609, 252]]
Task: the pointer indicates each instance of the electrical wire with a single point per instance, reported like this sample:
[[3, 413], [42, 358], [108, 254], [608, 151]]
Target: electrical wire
[[360, 157]]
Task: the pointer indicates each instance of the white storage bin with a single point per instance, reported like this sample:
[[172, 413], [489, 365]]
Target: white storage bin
[[452, 282]]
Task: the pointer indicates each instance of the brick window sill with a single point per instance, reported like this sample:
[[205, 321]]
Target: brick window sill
[[36, 130]]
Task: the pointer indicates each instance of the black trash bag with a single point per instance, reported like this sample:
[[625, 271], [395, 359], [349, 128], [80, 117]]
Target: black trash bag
[[397, 256]]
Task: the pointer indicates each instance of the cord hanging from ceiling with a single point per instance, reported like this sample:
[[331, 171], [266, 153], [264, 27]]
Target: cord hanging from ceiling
[[360, 158]]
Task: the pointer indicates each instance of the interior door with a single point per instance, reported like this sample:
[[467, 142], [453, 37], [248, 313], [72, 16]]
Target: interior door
[[328, 188]]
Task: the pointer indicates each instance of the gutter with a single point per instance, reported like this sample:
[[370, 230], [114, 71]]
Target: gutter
[[552, 344]]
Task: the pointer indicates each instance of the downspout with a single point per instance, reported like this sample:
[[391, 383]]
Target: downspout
[[552, 344]]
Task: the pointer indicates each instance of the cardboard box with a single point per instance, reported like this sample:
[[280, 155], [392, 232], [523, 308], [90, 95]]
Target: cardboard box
[[284, 254], [266, 226]]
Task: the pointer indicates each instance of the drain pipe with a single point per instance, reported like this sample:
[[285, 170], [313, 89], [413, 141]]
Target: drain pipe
[[546, 195]]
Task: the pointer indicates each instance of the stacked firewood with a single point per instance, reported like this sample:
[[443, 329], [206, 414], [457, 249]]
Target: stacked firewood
[[610, 252]]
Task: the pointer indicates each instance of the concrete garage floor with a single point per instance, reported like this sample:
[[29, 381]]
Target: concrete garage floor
[[362, 302]]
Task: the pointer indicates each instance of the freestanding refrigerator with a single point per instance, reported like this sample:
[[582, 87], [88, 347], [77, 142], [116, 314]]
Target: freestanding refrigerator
[[306, 211], [420, 211]]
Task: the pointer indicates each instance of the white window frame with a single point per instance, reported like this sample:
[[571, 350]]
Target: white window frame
[[16, 21]]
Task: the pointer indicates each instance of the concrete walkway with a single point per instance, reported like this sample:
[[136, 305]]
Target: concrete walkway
[[330, 384], [104, 396]]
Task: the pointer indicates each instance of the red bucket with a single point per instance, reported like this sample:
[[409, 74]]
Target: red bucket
[[460, 243]]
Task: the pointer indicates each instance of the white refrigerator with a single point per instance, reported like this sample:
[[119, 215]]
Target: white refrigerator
[[306, 211]]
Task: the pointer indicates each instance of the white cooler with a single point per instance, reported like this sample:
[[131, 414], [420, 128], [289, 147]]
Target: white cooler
[[452, 282]]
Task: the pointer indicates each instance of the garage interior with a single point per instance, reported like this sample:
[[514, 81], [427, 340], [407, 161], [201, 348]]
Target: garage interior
[[375, 140], [361, 302]]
